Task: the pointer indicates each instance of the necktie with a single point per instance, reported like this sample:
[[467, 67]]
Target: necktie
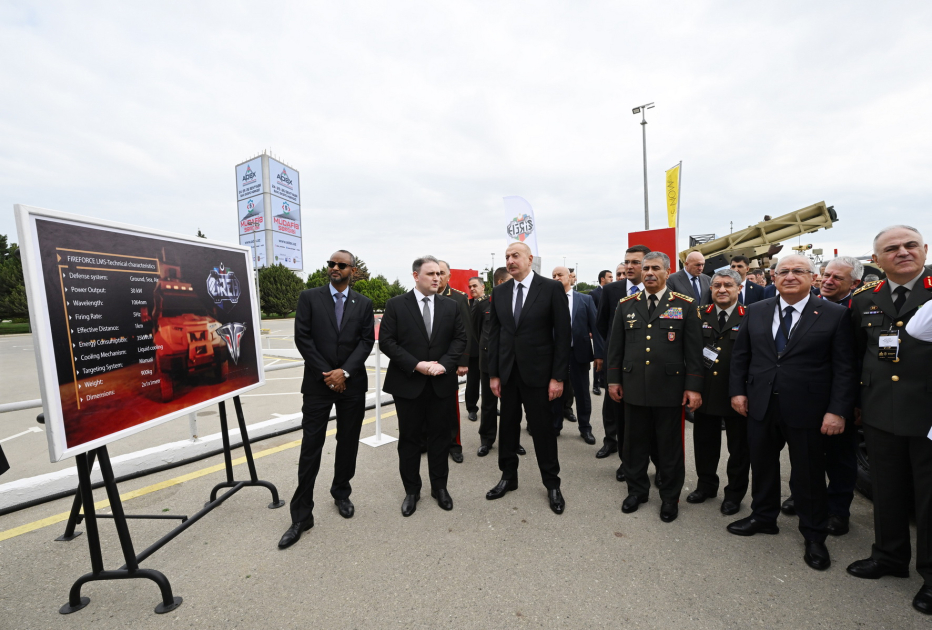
[[741, 295], [427, 315], [900, 298], [722, 318], [653, 304], [782, 330], [519, 302], [696, 290], [338, 309], [632, 290]]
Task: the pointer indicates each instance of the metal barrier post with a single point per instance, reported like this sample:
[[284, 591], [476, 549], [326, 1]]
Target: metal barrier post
[[379, 438]]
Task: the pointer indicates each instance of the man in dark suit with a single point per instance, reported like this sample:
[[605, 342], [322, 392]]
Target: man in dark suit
[[598, 376], [895, 407], [488, 425], [423, 335], [476, 295], [690, 280], [584, 337], [333, 329], [613, 413], [793, 376], [720, 322], [462, 369], [529, 348], [750, 291]]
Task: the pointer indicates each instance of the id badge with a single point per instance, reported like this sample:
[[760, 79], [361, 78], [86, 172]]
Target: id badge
[[889, 345], [709, 356]]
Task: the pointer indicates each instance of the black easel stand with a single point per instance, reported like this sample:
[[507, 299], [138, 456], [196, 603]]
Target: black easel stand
[[84, 496]]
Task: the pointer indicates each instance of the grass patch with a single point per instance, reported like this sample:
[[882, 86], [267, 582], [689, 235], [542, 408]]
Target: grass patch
[[14, 328]]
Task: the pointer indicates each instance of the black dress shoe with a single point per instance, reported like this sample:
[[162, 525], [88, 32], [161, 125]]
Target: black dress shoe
[[698, 496], [569, 415], [294, 533], [503, 486], [483, 450], [587, 437], [409, 505], [620, 473], [789, 507], [870, 569], [837, 525], [456, 456], [729, 507], [749, 526], [816, 555], [669, 511], [472, 415], [605, 451], [658, 479], [444, 500], [632, 503], [345, 506], [923, 600], [557, 504], [597, 391], [521, 450]]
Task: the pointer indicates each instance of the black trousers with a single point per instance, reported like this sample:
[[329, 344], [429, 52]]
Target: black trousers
[[613, 422], [841, 466], [766, 438], [4, 465], [535, 400], [316, 409], [665, 425], [429, 415], [488, 419], [577, 382], [707, 446], [456, 443], [472, 386], [896, 463]]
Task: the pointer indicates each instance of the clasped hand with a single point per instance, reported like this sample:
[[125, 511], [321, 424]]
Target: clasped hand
[[430, 368]]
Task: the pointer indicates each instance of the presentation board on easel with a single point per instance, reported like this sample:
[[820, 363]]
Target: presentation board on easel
[[133, 327]]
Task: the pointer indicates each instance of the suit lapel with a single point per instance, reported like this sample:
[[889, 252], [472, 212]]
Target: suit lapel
[[438, 305], [328, 302], [807, 317], [884, 300], [577, 304], [506, 313], [349, 304], [918, 296], [661, 308], [734, 320], [532, 293], [418, 314]]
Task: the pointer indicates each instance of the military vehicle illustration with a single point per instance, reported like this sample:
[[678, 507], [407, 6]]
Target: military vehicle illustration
[[187, 338]]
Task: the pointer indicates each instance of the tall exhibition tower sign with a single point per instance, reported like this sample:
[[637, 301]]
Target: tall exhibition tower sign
[[268, 194]]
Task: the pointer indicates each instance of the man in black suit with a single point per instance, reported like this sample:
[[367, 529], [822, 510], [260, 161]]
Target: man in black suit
[[613, 413], [462, 369], [598, 376], [793, 376], [333, 330], [476, 295], [423, 335], [585, 335], [690, 280], [529, 347], [750, 291]]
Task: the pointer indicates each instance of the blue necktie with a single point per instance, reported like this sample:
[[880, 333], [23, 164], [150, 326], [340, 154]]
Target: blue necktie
[[338, 308], [632, 291], [696, 290], [786, 325]]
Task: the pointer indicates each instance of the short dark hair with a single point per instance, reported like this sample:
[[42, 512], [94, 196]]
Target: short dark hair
[[604, 272], [418, 263], [756, 272], [740, 258], [500, 274], [643, 249], [481, 281], [352, 258]]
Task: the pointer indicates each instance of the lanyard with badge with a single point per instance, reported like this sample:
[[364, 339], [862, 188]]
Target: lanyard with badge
[[710, 352], [889, 345]]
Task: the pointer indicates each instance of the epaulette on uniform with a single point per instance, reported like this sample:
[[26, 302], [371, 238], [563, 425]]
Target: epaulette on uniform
[[636, 296], [458, 291], [686, 298], [708, 308], [869, 285]]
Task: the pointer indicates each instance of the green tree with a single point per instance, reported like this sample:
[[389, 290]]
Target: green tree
[[396, 288], [362, 272], [584, 287], [279, 289], [376, 289], [319, 278], [12, 286]]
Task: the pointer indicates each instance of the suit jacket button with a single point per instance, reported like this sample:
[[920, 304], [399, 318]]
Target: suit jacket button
[[895, 378], [648, 337], [899, 324], [714, 373], [647, 349], [648, 325], [647, 363], [719, 349], [716, 360]]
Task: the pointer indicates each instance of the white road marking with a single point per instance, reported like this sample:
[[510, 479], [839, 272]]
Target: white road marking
[[29, 430]]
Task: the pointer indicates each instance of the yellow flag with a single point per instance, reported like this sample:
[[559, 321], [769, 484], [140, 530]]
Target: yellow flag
[[673, 194]]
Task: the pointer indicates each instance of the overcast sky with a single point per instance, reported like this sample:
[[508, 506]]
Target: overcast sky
[[410, 121]]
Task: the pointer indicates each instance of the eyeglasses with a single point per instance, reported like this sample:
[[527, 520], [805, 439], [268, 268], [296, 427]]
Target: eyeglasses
[[795, 272], [332, 264]]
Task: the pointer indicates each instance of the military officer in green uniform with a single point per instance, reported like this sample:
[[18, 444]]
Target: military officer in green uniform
[[655, 367], [894, 408], [720, 323], [462, 301]]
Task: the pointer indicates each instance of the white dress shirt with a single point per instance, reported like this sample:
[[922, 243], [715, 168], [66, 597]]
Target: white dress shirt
[[797, 311], [333, 292], [569, 297], [526, 283], [420, 305]]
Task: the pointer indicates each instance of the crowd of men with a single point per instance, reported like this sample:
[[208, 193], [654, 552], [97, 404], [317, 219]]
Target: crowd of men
[[800, 360]]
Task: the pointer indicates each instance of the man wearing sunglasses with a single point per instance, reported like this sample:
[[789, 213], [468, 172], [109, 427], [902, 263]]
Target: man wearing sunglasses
[[334, 331]]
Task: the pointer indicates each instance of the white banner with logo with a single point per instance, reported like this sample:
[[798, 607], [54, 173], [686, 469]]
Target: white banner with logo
[[256, 242], [286, 250], [284, 182], [249, 179], [251, 215], [286, 217], [519, 223]]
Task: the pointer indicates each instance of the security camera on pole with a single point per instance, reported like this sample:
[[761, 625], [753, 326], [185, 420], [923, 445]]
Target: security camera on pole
[[642, 110]]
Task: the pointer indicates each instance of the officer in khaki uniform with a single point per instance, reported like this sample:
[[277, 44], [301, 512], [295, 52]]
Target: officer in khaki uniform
[[655, 367], [720, 323], [895, 388]]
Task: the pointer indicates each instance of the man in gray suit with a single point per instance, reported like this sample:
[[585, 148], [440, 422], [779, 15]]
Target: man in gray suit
[[690, 280]]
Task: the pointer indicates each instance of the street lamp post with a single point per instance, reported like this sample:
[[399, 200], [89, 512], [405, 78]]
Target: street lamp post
[[642, 110]]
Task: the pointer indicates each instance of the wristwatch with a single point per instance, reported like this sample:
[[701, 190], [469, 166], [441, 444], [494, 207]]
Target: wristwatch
[[345, 374]]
